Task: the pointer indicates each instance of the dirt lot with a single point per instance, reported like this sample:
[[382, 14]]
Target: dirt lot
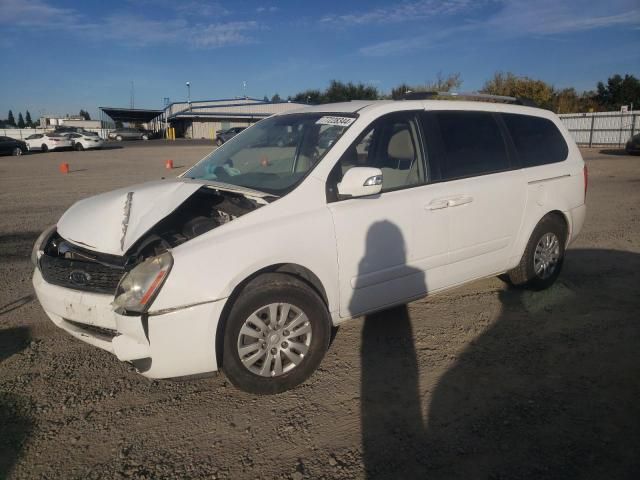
[[484, 382]]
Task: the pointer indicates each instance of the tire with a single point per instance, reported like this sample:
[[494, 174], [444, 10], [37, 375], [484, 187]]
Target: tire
[[119, 138], [284, 293], [549, 239], [145, 137], [16, 152], [219, 142], [45, 149], [78, 147]]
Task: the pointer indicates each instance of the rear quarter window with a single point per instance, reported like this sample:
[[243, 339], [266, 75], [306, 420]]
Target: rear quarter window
[[537, 140]]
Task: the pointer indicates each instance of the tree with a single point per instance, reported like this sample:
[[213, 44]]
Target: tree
[[28, 119], [20, 120], [523, 87], [398, 93], [568, 100], [618, 91], [338, 92], [265, 99], [312, 97], [84, 114], [276, 99], [10, 120], [442, 83]]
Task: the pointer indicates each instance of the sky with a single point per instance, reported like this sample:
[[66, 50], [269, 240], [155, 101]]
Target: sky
[[61, 56]]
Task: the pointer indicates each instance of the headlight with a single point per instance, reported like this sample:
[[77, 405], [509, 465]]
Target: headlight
[[38, 247], [138, 288]]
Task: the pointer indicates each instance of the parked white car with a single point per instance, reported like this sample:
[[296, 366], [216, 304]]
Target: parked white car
[[249, 259], [47, 141], [82, 141]]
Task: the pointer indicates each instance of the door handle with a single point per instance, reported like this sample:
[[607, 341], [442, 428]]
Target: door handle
[[437, 204], [457, 201]]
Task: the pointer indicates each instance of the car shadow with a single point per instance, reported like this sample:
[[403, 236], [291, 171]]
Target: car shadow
[[549, 390], [15, 422], [619, 152], [16, 246]]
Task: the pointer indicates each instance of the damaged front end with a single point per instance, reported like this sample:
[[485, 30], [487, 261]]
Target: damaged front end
[[65, 263]]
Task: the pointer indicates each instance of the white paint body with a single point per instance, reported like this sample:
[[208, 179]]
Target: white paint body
[[53, 142], [88, 142], [428, 238]]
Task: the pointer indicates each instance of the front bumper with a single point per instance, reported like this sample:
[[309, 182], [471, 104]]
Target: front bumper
[[174, 344]]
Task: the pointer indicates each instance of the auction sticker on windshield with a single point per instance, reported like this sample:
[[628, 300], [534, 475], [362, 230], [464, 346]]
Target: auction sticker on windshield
[[337, 121]]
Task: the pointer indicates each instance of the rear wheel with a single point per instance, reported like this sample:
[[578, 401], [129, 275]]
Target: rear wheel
[[276, 335], [145, 137], [218, 142], [542, 260], [78, 146], [119, 138], [16, 152], [44, 148]]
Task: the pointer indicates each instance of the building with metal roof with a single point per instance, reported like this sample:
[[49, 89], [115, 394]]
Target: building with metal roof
[[203, 118]]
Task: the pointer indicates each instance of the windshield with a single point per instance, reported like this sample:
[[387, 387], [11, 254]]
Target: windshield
[[275, 154]]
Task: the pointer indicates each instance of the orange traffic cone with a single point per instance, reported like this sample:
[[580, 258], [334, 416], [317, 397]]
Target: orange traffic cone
[[64, 168], [168, 164]]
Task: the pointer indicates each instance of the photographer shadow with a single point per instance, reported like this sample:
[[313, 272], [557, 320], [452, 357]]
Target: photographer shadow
[[390, 401], [549, 390]]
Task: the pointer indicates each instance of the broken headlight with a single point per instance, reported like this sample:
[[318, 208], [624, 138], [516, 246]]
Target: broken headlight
[[139, 287], [41, 242]]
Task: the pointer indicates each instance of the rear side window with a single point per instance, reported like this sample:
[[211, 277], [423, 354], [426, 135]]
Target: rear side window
[[471, 144], [537, 140]]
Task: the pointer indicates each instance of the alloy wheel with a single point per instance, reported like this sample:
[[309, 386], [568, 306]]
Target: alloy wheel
[[274, 339], [546, 255]]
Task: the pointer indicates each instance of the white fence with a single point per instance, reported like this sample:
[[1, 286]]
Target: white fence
[[602, 128], [22, 133]]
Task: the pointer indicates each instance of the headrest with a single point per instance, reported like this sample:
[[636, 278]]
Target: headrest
[[400, 146]]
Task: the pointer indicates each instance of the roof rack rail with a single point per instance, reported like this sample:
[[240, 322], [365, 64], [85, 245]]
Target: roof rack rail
[[471, 96]]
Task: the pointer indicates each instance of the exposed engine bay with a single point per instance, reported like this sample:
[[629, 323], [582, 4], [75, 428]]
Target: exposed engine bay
[[68, 265], [205, 210]]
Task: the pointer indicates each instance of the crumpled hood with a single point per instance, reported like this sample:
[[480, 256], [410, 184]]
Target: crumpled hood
[[111, 222]]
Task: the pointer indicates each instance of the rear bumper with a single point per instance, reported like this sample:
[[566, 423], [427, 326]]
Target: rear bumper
[[577, 216], [178, 343]]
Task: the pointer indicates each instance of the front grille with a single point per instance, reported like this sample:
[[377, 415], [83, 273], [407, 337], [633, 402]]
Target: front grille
[[106, 333], [85, 276]]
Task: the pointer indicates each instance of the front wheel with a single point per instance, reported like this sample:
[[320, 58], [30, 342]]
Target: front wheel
[[16, 152], [542, 260], [44, 147], [78, 147], [119, 138], [276, 335], [219, 142], [145, 137]]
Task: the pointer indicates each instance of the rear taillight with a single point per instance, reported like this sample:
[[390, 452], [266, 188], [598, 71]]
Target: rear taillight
[[586, 181]]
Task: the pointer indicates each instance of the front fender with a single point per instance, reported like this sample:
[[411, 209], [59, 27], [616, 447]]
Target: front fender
[[209, 267]]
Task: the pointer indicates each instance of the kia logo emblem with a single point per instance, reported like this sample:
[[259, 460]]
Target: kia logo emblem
[[78, 277]]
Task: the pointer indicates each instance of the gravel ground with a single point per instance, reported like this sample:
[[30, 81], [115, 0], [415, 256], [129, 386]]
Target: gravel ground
[[482, 382]]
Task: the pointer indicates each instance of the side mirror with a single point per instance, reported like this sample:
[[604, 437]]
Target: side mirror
[[360, 182]]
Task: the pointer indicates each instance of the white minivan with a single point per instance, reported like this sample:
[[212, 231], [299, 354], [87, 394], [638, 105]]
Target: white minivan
[[250, 259]]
